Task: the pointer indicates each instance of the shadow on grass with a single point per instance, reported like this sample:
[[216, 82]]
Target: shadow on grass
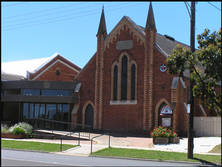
[[204, 162]]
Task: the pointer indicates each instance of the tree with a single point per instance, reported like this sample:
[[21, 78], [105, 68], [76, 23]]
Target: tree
[[205, 64]]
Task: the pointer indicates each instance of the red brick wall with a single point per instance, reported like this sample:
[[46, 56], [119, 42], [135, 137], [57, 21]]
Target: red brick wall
[[87, 90], [162, 81], [123, 116], [66, 73]]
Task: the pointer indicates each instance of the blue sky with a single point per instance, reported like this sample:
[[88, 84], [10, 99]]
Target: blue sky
[[32, 30]]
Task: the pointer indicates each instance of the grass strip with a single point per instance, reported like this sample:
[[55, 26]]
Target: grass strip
[[36, 146], [157, 155], [216, 149]]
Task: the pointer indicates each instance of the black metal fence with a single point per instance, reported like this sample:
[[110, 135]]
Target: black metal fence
[[72, 129]]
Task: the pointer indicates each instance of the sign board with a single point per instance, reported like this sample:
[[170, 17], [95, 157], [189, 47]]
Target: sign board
[[166, 121], [123, 45], [188, 108], [166, 110]]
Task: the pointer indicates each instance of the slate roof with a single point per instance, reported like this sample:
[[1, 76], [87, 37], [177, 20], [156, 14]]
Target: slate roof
[[11, 77], [164, 43]]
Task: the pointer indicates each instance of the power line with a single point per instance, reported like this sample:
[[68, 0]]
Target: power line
[[14, 4], [48, 14], [71, 17], [59, 12], [214, 5], [41, 11]]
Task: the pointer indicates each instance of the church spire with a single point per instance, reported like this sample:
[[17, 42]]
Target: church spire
[[150, 18], [102, 24]]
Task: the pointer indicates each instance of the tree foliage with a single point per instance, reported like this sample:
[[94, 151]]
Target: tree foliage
[[205, 66]]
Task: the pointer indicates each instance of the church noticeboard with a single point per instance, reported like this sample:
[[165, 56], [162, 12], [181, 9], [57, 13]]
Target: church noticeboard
[[166, 121], [123, 45]]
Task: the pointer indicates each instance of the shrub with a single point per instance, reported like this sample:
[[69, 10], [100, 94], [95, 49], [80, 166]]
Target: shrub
[[4, 128], [163, 131], [18, 130], [26, 127]]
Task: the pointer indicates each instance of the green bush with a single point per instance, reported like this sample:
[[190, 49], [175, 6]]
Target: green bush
[[18, 130], [25, 126]]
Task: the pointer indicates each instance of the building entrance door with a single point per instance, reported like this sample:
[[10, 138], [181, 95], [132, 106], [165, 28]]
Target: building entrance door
[[89, 116]]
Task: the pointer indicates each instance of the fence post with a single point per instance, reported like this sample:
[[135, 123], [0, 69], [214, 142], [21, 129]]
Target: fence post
[[61, 144], [79, 139], [109, 140], [91, 145]]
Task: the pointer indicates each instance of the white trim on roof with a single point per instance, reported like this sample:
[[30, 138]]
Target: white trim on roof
[[52, 65]]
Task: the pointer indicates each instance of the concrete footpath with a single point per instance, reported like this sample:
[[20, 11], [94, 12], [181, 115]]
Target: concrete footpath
[[202, 145]]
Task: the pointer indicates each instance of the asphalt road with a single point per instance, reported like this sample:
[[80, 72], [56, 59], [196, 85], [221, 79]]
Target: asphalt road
[[29, 158]]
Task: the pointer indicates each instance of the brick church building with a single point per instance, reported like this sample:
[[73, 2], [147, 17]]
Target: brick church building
[[126, 83], [124, 87]]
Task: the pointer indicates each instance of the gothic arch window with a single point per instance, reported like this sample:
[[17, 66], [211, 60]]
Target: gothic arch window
[[124, 81], [124, 78], [133, 81], [115, 80]]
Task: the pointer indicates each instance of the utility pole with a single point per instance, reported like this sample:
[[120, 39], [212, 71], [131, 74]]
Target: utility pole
[[191, 98]]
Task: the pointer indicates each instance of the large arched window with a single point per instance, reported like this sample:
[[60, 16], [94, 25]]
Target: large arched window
[[124, 78], [133, 80], [115, 79]]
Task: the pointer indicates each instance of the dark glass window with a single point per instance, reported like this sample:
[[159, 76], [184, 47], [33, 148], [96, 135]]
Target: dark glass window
[[28, 91], [124, 78], [115, 83], [63, 92], [42, 111], [37, 91], [65, 115], [25, 110], [51, 111], [37, 107], [49, 92], [31, 91], [133, 78], [31, 110], [60, 116], [65, 112]]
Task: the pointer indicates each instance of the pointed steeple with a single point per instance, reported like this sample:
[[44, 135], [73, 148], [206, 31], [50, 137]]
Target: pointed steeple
[[102, 24], [150, 18]]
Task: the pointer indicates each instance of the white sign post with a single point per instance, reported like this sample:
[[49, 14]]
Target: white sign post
[[188, 108]]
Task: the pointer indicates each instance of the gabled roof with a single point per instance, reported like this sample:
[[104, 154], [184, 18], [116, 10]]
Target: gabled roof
[[21, 67], [25, 67], [47, 64], [164, 43]]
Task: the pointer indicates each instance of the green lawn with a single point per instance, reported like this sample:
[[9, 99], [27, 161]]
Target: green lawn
[[216, 149], [116, 152], [37, 146], [158, 155]]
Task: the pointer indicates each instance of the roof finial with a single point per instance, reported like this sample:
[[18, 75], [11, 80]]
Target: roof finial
[[150, 18], [102, 24]]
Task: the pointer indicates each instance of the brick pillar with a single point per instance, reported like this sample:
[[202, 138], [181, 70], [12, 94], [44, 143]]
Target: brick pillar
[[99, 82], [148, 109]]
